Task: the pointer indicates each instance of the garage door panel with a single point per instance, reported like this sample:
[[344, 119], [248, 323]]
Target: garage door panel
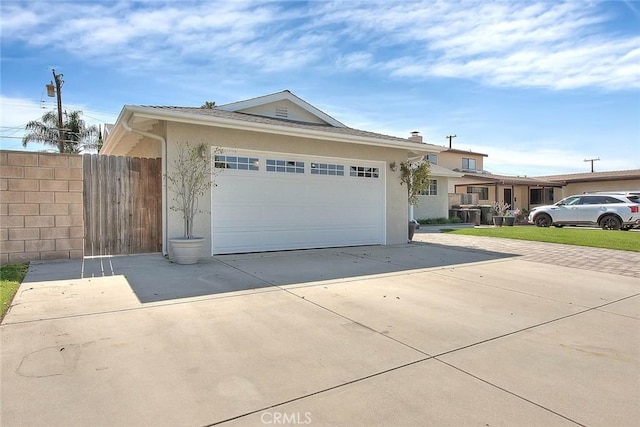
[[261, 210], [251, 241]]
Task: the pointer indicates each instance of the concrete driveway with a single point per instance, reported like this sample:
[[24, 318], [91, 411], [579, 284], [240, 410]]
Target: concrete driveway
[[420, 334]]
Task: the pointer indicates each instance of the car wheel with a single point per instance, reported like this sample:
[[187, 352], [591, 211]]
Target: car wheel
[[543, 220], [610, 222]]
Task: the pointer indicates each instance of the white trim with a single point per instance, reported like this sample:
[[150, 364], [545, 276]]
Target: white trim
[[416, 149], [280, 96]]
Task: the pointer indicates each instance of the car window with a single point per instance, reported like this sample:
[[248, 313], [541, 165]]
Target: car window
[[593, 200], [570, 201], [634, 198], [609, 199]]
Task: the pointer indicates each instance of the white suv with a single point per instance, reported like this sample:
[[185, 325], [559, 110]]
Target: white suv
[[611, 211]]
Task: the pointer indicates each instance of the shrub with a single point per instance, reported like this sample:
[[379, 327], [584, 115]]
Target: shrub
[[441, 220]]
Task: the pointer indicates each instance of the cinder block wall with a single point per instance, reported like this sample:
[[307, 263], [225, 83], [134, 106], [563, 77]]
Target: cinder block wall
[[40, 206]]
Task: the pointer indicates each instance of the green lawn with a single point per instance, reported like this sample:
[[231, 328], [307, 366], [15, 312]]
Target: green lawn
[[11, 276], [609, 239]]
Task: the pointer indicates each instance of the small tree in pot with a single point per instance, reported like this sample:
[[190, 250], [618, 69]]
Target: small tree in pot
[[189, 179], [415, 175], [500, 209]]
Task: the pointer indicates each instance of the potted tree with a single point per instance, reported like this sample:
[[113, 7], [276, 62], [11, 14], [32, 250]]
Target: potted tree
[[188, 180], [415, 175], [500, 209]]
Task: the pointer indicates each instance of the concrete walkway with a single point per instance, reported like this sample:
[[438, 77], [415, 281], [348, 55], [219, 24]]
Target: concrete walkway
[[432, 333]]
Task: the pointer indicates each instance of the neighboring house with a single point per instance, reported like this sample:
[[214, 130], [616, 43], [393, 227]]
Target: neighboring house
[[528, 192], [518, 192], [457, 161], [579, 183], [434, 202], [290, 176], [522, 192]]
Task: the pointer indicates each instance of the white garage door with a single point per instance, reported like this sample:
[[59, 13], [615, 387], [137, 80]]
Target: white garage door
[[275, 201]]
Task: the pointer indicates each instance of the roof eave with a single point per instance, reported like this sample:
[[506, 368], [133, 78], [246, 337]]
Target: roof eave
[[109, 145], [138, 111]]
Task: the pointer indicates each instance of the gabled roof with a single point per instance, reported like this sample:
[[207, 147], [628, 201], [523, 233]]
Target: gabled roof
[[136, 121], [285, 95], [594, 176]]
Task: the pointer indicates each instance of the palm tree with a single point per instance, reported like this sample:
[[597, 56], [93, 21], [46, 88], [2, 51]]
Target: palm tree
[[77, 136], [208, 105]]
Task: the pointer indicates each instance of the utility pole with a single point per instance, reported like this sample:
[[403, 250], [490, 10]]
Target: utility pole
[[592, 160], [58, 91], [450, 137]]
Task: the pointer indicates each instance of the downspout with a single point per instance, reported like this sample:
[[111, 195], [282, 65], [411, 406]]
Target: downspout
[[165, 213]]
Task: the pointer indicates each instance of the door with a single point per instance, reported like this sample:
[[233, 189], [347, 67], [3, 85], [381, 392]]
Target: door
[[267, 201], [508, 197]]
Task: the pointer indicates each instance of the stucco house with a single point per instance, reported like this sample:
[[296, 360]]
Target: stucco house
[[521, 192], [578, 183], [289, 176]]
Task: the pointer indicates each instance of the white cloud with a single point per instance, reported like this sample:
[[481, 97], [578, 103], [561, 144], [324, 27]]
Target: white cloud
[[548, 44], [557, 45], [355, 61]]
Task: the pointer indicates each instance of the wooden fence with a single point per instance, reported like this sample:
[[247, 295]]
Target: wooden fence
[[122, 205]]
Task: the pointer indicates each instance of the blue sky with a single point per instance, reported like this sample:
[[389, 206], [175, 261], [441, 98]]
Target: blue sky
[[538, 86]]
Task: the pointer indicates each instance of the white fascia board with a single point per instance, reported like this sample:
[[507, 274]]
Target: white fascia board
[[279, 96], [415, 148], [117, 131]]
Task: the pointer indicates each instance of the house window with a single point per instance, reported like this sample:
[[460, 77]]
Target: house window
[[432, 158], [235, 162], [540, 196], [287, 166], [327, 169], [469, 164], [482, 191], [364, 172], [432, 190]]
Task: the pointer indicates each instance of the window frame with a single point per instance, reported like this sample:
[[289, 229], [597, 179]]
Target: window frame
[[481, 191], [432, 190], [371, 172], [468, 166], [235, 162], [326, 169], [284, 166]]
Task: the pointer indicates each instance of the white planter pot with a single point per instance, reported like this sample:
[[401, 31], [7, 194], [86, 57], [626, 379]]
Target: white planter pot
[[186, 251]]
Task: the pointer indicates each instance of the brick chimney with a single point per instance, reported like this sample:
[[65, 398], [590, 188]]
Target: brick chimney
[[415, 136]]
